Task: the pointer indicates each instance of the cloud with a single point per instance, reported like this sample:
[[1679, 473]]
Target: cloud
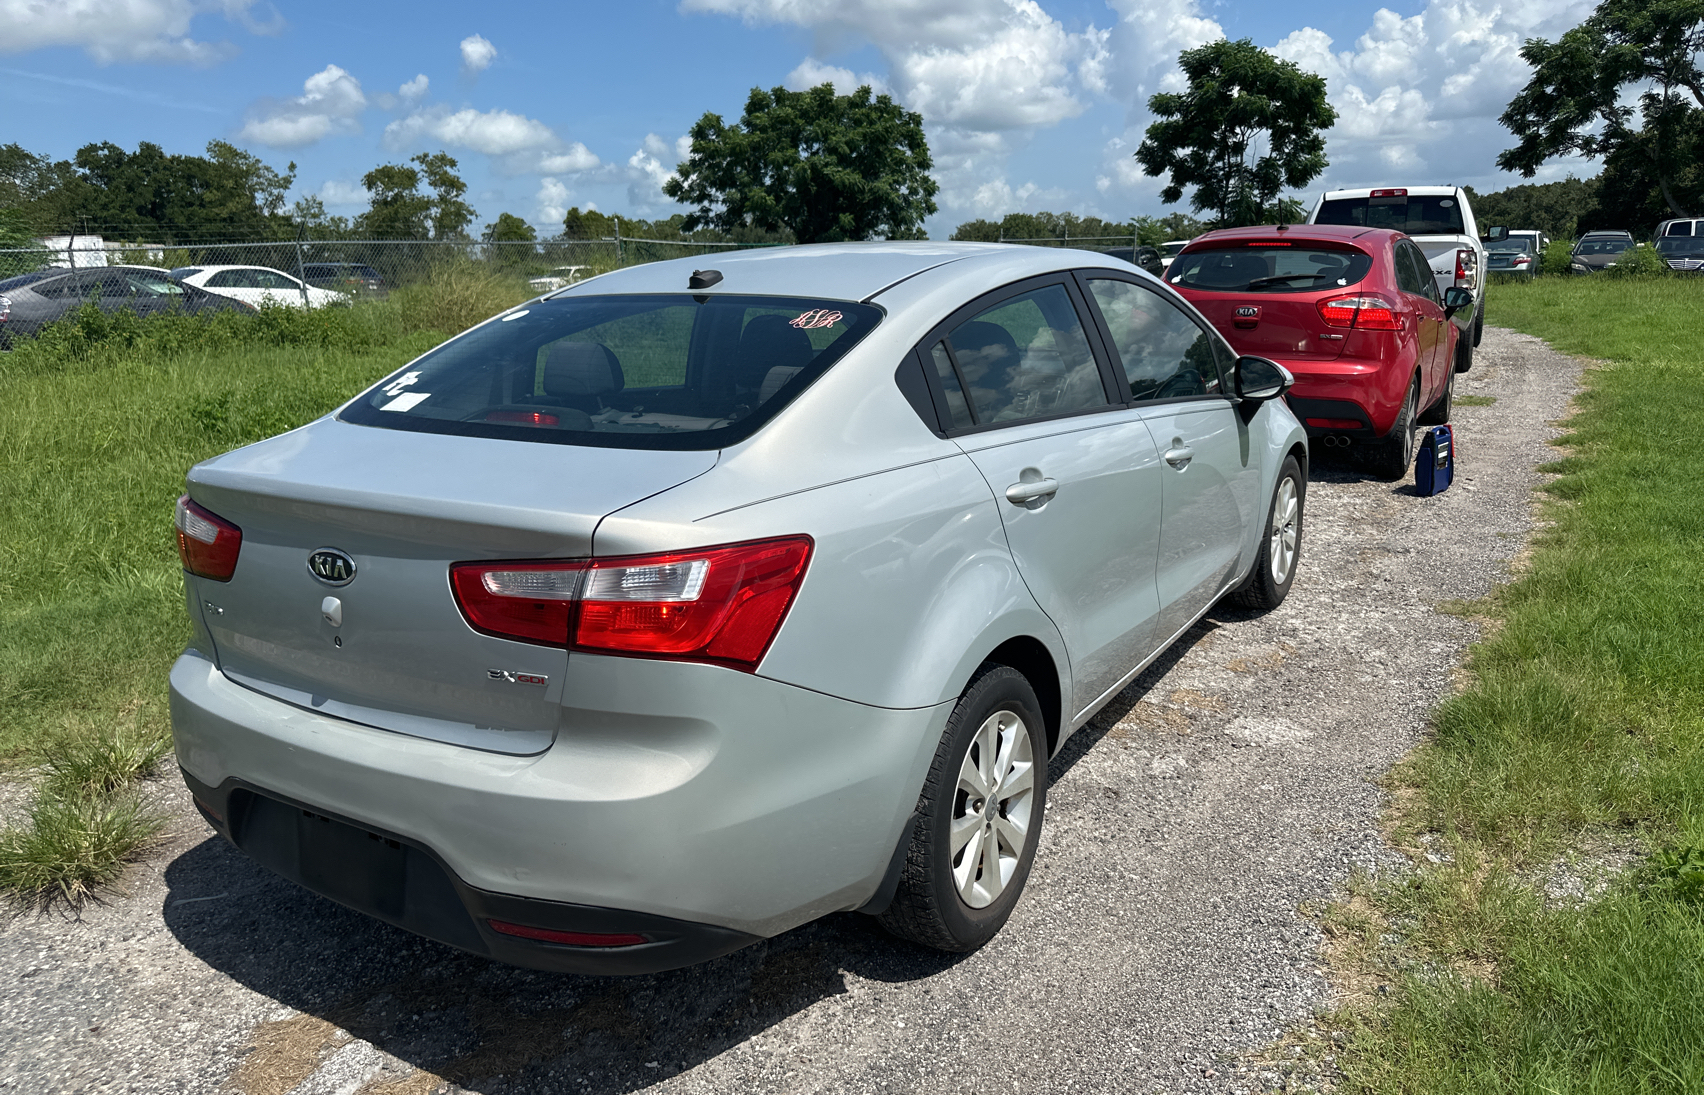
[[477, 54], [813, 73], [572, 160], [337, 192], [122, 30], [331, 102], [552, 200], [493, 132]]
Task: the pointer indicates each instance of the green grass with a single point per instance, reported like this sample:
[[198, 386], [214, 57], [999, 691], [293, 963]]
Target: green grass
[[1582, 730], [1475, 400]]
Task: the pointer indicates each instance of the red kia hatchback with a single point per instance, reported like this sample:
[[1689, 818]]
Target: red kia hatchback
[[1352, 312]]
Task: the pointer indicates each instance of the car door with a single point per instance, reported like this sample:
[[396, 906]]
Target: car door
[[1424, 303], [1074, 473], [1175, 368]]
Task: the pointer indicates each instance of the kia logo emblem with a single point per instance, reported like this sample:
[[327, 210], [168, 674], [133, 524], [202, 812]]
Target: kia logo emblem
[[1248, 311], [332, 567]]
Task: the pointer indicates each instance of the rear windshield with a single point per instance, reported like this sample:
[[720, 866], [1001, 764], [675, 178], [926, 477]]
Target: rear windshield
[[1420, 215], [664, 371], [1510, 245], [1268, 268]]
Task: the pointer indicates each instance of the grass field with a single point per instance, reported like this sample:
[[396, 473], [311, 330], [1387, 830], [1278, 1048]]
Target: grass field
[[1577, 748]]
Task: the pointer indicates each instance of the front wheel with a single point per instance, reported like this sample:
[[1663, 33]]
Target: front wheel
[[978, 818], [1392, 456], [1281, 548], [1479, 324]]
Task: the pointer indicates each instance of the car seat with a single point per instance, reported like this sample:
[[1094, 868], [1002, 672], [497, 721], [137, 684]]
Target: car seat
[[770, 352], [580, 374]]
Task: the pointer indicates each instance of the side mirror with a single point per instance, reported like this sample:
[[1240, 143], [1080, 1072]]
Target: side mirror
[[1456, 298], [1495, 234], [1259, 379]]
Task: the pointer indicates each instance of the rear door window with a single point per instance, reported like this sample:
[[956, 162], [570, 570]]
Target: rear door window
[[1165, 354], [664, 371], [1027, 357]]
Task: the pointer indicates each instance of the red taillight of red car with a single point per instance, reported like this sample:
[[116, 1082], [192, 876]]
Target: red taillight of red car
[[1362, 311], [720, 604], [207, 543]]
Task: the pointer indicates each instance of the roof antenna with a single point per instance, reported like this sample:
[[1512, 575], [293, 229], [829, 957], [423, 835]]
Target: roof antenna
[[703, 279]]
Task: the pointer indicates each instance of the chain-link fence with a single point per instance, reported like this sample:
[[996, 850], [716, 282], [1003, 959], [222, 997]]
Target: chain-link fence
[[1082, 243], [368, 267]]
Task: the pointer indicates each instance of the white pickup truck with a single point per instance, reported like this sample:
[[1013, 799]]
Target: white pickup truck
[[1440, 220]]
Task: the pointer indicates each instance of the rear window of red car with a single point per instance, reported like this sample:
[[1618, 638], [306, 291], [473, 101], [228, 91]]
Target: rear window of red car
[[1295, 267]]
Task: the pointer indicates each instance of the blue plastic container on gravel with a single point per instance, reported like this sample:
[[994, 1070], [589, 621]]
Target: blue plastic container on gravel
[[1434, 467]]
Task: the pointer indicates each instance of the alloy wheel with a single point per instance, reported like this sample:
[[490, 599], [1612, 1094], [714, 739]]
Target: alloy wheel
[[992, 809], [1284, 535]]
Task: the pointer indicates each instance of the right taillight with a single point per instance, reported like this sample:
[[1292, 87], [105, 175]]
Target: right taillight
[[718, 604], [207, 543], [1466, 267], [1362, 311]]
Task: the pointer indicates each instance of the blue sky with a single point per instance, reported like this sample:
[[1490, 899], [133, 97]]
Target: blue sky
[[1029, 104]]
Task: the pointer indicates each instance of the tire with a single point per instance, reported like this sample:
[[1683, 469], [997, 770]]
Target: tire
[[1463, 352], [1281, 547], [1479, 324], [1439, 412], [959, 906], [1393, 456]]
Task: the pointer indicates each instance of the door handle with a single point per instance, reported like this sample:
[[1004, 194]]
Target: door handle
[[1021, 493], [1180, 456]]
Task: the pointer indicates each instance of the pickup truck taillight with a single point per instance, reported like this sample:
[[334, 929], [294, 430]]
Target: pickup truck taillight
[[1467, 267]]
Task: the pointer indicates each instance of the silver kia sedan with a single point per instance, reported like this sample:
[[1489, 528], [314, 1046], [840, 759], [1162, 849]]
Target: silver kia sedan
[[672, 610]]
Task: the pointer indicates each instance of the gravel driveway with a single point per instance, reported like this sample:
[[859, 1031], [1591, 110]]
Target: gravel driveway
[[1159, 937]]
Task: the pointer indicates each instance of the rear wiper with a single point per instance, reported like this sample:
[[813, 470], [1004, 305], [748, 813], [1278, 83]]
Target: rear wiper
[[1276, 278]]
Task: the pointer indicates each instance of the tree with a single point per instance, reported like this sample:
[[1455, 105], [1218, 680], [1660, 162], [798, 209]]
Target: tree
[[1576, 100], [1554, 208], [823, 166], [1031, 227], [590, 225], [508, 228], [19, 251], [1153, 231], [397, 210], [1209, 136]]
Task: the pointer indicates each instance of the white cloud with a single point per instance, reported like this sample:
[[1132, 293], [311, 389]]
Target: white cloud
[[813, 73], [331, 102], [121, 30], [552, 200], [337, 192], [414, 90], [493, 132], [477, 54], [572, 160]]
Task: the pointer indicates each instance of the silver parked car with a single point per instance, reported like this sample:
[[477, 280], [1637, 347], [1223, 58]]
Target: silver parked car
[[681, 607]]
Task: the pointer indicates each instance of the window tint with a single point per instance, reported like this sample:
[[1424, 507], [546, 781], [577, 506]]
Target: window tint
[[1679, 228], [658, 371], [272, 279], [145, 284], [1165, 355], [957, 408], [228, 279], [1438, 214], [1027, 357], [1268, 268]]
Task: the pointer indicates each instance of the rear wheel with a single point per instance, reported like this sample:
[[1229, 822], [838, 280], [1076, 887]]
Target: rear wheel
[[1479, 325], [978, 818], [1392, 456], [1281, 548], [1439, 413], [1463, 352]]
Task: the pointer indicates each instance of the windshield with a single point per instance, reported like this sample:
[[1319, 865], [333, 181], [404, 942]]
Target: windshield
[[662, 371], [1420, 215], [1510, 245], [1268, 268], [1680, 243], [1171, 249], [1602, 247]]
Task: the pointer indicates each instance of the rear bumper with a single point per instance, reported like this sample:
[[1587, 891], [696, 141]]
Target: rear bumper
[[1323, 417], [1368, 392], [720, 804]]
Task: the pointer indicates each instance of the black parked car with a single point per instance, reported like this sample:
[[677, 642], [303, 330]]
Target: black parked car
[[30, 301], [1597, 251], [355, 278], [1148, 258]]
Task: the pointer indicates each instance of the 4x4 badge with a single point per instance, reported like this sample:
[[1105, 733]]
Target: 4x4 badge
[[331, 567]]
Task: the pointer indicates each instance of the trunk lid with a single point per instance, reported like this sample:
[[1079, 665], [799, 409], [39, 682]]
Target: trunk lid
[[1285, 325], [386, 646]]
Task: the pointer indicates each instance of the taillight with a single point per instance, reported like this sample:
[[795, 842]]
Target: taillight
[[207, 543], [1466, 266], [5, 309], [1398, 193], [722, 604], [1522, 260], [1361, 311]]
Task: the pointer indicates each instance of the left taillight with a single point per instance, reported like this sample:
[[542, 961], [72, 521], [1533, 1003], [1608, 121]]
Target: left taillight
[[722, 605], [207, 543]]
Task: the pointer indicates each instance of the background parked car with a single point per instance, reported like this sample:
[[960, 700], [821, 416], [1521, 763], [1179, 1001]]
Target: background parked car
[[1681, 243], [30, 301], [673, 582], [257, 285], [1597, 251], [1147, 258], [1354, 314], [1512, 258], [351, 278], [1439, 219], [1169, 250], [559, 278]]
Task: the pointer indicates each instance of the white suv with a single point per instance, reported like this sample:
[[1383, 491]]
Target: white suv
[[1440, 220]]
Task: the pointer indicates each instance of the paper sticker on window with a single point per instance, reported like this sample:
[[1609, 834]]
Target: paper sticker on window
[[406, 380], [407, 402], [816, 317]]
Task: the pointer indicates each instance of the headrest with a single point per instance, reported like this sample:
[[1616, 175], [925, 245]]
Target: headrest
[[769, 342], [983, 348], [581, 369]]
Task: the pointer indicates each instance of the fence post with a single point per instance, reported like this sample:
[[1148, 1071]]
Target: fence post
[[301, 275], [618, 242], [71, 249]]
